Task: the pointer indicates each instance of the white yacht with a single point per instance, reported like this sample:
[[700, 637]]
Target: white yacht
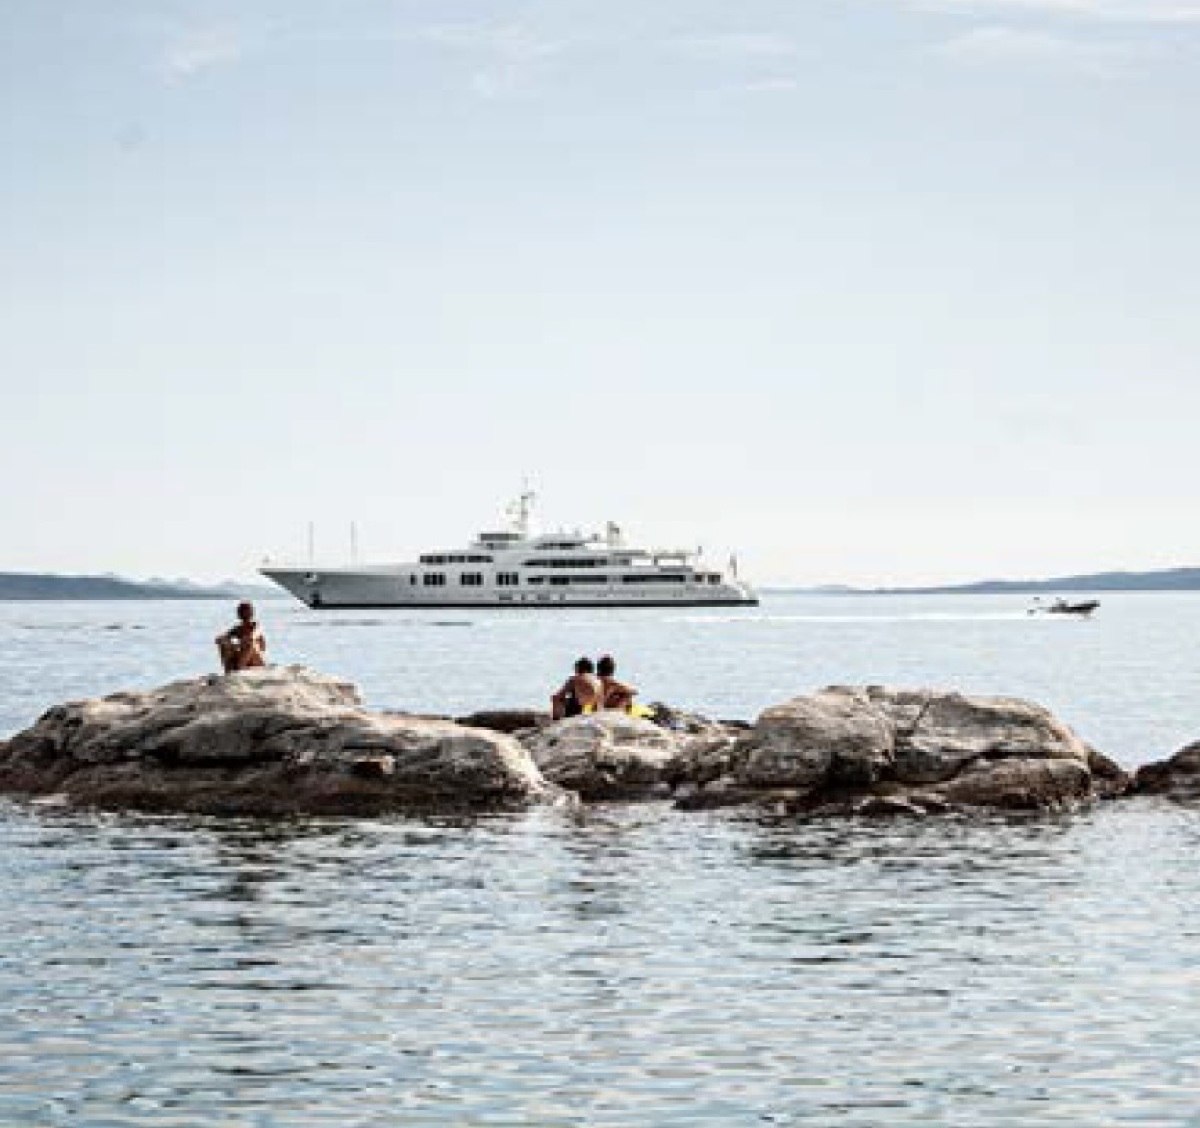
[[514, 568]]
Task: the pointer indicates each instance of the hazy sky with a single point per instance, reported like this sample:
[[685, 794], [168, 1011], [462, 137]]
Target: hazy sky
[[871, 290]]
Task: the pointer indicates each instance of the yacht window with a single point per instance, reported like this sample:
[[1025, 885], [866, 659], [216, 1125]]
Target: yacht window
[[568, 562], [714, 578], [654, 578], [471, 579], [434, 579], [507, 579]]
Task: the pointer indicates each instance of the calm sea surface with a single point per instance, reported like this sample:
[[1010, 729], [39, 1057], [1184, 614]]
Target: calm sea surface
[[635, 966]]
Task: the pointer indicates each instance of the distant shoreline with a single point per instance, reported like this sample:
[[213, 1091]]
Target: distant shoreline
[[1165, 579], [40, 586], [27, 587]]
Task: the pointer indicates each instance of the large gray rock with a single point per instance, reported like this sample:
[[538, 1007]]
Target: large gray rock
[[835, 735], [269, 741], [611, 755], [938, 734], [875, 749], [608, 755]]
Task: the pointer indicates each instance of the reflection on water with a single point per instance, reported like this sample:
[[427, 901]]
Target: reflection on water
[[628, 967]]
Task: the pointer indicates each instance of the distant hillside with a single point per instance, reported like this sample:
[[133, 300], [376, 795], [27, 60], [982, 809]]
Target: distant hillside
[[1168, 579], [35, 585]]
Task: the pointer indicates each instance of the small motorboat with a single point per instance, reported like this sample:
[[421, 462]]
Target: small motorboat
[[1081, 609]]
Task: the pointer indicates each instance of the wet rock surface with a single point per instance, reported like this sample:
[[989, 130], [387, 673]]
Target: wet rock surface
[[269, 741]]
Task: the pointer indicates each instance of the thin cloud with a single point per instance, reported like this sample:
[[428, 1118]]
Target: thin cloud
[[780, 85], [200, 50], [1119, 11], [507, 55], [510, 40], [1006, 46], [738, 45]]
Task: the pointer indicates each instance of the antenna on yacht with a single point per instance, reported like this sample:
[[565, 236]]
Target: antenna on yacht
[[519, 511], [733, 565]]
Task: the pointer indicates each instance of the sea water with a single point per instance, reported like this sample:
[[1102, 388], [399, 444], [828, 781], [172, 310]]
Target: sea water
[[636, 965]]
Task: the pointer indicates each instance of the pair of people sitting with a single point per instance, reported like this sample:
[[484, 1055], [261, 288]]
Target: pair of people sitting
[[592, 688]]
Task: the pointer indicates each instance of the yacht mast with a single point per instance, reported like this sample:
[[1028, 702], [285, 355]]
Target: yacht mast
[[519, 512]]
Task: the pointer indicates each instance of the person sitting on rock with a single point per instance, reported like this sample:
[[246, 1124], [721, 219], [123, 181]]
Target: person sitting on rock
[[616, 694], [580, 693], [243, 646]]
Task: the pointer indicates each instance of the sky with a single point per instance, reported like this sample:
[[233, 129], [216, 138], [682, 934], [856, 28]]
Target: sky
[[867, 291]]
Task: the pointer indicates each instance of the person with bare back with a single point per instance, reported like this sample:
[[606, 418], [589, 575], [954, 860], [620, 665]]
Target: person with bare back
[[243, 646], [616, 694], [579, 694]]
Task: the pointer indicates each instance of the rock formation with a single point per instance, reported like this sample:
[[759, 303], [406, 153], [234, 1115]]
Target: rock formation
[[268, 741], [291, 741]]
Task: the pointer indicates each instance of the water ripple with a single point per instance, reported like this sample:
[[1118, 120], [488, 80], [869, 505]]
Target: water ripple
[[631, 967]]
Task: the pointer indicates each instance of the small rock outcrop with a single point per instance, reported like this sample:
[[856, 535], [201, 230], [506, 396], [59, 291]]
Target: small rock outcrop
[[267, 741], [1176, 778]]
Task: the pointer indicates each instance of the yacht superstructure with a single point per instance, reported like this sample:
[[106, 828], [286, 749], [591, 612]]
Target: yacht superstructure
[[515, 568]]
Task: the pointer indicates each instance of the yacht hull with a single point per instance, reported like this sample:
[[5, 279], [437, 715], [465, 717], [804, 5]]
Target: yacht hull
[[345, 590]]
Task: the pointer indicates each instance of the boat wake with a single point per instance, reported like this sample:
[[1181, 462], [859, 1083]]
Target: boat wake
[[894, 617]]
